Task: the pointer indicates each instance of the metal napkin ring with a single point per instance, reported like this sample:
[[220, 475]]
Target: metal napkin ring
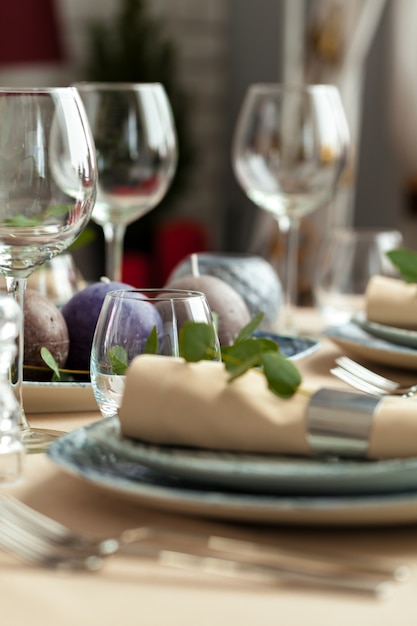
[[339, 422]]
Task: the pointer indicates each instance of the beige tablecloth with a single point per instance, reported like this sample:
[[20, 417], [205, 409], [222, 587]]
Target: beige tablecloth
[[132, 591]]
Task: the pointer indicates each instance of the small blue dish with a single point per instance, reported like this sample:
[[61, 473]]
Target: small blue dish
[[292, 347]]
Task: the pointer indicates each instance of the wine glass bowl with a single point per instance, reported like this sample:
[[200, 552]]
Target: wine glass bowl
[[136, 146], [47, 188], [289, 148], [123, 332]]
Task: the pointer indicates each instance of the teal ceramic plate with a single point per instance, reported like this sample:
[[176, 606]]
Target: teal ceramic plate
[[399, 336], [86, 456], [362, 344], [259, 472]]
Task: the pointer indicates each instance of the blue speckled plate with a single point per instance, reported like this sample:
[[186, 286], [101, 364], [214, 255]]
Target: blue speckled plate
[[292, 347], [83, 454], [362, 344]]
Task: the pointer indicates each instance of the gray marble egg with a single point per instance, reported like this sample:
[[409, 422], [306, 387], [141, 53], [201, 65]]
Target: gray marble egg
[[251, 276]]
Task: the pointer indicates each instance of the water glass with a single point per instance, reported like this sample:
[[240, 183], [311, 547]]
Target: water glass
[[345, 263], [126, 321]]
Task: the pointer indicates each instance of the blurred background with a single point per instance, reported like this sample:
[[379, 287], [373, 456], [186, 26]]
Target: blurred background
[[206, 53]]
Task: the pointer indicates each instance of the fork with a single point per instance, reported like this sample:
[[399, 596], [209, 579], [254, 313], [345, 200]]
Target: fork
[[40, 540], [366, 380]]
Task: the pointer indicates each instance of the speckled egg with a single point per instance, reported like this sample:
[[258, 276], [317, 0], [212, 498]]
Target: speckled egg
[[45, 326]]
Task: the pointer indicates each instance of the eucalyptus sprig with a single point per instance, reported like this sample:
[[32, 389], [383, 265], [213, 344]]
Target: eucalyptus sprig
[[247, 352], [58, 374], [406, 263]]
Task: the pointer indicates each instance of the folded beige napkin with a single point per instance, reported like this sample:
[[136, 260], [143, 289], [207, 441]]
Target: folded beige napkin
[[391, 301], [169, 401]]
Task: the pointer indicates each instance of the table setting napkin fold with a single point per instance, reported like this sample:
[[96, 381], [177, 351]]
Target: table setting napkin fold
[[168, 401], [391, 301]]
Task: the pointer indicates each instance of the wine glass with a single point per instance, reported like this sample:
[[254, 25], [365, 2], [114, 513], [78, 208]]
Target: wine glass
[[48, 179], [289, 148], [126, 321], [136, 146], [58, 279]]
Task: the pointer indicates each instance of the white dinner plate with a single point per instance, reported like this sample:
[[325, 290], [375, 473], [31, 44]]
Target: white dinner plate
[[44, 397], [83, 455], [66, 397], [362, 344]]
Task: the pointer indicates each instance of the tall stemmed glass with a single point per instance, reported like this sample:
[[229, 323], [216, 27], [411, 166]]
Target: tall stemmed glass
[[135, 138], [289, 148], [48, 179]]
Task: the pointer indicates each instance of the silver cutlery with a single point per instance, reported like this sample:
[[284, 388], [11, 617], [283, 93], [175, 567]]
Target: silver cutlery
[[38, 539], [366, 380]]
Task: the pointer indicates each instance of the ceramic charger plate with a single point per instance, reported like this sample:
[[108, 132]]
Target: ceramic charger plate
[[89, 457]]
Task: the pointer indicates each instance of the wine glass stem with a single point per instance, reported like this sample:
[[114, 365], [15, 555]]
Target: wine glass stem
[[16, 288], [290, 228], [114, 237]]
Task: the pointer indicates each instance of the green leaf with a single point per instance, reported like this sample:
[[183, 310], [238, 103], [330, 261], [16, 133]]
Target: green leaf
[[248, 330], [196, 341], [250, 349], [21, 221], [282, 375], [117, 356], [241, 368], [151, 345], [49, 360], [406, 263]]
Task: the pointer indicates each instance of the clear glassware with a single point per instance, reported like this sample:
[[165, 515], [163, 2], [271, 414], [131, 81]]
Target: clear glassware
[[11, 449], [58, 279], [48, 179], [135, 138], [346, 261], [289, 148], [126, 320]]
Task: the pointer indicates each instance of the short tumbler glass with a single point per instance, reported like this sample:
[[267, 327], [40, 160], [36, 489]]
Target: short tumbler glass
[[126, 321], [346, 261]]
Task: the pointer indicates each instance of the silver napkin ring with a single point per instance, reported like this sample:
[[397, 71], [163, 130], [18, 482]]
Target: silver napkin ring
[[339, 422]]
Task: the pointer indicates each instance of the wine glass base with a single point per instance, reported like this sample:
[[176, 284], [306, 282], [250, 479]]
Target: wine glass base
[[38, 440], [11, 461]]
